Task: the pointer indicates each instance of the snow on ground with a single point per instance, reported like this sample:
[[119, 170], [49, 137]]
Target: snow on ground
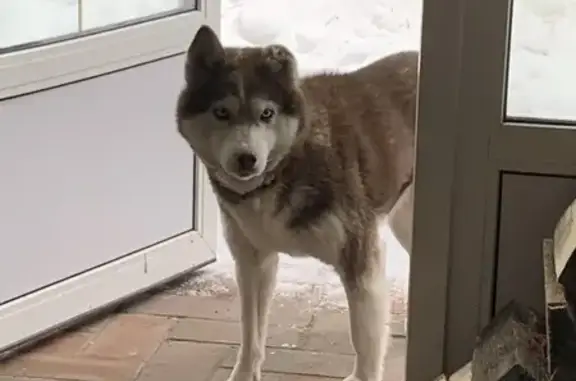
[[325, 34]]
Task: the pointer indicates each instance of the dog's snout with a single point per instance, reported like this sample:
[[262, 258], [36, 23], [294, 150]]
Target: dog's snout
[[245, 163]]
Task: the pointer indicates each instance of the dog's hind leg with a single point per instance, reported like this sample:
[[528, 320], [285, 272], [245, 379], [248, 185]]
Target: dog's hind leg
[[256, 278], [364, 277], [400, 218]]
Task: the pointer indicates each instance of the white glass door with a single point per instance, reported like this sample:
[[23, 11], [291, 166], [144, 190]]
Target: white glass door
[[100, 198]]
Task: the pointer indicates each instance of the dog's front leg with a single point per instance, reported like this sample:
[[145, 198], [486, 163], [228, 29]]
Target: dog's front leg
[[256, 278], [368, 301]]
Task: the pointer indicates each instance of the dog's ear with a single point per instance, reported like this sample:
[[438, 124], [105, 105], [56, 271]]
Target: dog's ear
[[205, 54], [281, 64]]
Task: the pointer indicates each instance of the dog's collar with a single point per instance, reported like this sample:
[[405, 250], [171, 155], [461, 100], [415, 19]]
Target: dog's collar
[[234, 197]]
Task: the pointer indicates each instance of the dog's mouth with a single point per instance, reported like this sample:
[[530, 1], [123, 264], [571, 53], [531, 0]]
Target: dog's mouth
[[242, 177], [244, 167], [243, 181], [242, 187], [236, 183], [236, 191]]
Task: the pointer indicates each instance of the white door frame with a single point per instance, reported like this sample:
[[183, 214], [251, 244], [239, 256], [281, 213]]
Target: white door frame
[[41, 312]]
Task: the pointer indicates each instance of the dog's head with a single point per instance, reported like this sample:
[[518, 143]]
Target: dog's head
[[241, 109]]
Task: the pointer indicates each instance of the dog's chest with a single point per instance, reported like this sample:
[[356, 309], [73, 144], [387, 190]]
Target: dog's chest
[[266, 228]]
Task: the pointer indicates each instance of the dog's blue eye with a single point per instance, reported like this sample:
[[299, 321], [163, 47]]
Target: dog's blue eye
[[221, 113], [267, 114]]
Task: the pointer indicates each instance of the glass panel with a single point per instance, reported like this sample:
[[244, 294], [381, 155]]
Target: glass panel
[[541, 79], [28, 21], [102, 13], [25, 23]]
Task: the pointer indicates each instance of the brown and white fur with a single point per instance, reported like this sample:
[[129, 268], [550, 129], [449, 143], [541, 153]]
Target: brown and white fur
[[304, 166]]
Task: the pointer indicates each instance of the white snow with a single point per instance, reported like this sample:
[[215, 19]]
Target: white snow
[[343, 35], [325, 34]]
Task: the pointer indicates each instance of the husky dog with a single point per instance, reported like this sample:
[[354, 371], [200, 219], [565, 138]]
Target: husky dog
[[304, 166]]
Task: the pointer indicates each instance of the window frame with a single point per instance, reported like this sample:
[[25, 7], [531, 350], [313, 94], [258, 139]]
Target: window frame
[[74, 59]]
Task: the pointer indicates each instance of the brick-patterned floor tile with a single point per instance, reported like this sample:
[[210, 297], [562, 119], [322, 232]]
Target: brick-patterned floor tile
[[11, 367], [229, 332], [203, 307], [64, 345], [292, 312], [96, 325], [204, 342], [184, 361], [116, 353], [130, 337], [8, 378], [329, 333], [71, 368], [283, 310], [303, 362]]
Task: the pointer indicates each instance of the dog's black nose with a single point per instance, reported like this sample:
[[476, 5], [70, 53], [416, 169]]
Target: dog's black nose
[[246, 163]]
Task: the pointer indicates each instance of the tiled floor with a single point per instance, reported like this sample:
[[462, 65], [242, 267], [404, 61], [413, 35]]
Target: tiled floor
[[176, 336]]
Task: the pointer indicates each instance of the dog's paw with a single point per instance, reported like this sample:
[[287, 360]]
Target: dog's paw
[[244, 376]]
